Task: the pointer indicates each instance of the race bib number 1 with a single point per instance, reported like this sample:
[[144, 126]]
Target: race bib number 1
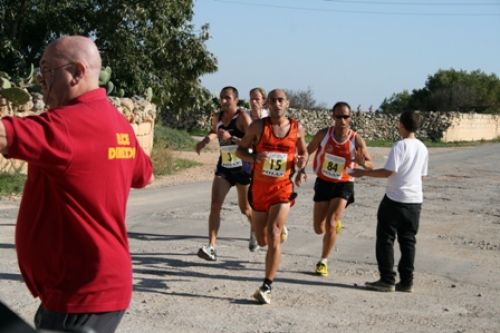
[[275, 164], [229, 158], [333, 166]]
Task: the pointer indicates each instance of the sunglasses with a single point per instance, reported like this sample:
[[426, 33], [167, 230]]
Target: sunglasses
[[342, 117]]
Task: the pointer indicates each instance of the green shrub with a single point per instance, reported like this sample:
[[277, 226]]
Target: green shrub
[[173, 138], [11, 183], [168, 139], [163, 161]]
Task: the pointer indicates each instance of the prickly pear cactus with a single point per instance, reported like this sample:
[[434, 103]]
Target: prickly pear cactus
[[15, 95], [148, 94], [105, 76]]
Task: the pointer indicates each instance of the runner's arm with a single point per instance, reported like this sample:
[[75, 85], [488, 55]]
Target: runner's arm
[[363, 158], [377, 173], [253, 132], [211, 135], [316, 140], [302, 157], [244, 121]]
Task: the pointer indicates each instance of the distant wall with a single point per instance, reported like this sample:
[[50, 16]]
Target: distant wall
[[473, 127], [140, 113], [444, 126]]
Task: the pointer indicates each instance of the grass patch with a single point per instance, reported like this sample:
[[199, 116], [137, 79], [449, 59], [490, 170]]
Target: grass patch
[[164, 162], [198, 132], [182, 163], [165, 141], [11, 183], [173, 138]]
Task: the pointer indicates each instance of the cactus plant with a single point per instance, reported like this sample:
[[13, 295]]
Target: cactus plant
[[105, 76], [28, 81], [148, 94], [110, 86], [5, 81], [16, 96]]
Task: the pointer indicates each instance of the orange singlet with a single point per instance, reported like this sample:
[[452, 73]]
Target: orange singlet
[[271, 179], [333, 158]]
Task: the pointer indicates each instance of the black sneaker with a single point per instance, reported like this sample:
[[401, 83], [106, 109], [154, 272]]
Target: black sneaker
[[380, 285], [405, 287]]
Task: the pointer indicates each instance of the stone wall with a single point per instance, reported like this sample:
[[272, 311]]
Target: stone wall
[[473, 127], [444, 126], [140, 113]]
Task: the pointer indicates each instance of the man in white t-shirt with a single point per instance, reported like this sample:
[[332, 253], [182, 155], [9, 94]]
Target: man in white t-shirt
[[399, 211]]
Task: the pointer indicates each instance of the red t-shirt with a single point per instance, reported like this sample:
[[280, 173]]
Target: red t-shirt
[[71, 238]]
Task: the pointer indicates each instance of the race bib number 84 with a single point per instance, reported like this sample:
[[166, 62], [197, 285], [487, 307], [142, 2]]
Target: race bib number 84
[[333, 166], [229, 158], [275, 164]]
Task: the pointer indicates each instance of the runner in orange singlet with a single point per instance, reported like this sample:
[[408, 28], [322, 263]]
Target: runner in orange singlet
[[338, 149], [279, 148]]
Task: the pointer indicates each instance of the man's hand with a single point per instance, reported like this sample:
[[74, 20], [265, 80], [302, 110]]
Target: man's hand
[[356, 173], [301, 177], [200, 145], [223, 135]]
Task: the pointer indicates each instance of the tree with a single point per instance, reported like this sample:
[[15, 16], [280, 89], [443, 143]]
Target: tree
[[396, 103], [451, 90], [302, 99], [146, 43]]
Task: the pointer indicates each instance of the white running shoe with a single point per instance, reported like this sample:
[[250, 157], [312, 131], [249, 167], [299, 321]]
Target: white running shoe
[[252, 243], [263, 296], [207, 253]]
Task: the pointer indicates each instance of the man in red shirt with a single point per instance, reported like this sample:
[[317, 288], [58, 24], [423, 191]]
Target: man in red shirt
[[83, 158]]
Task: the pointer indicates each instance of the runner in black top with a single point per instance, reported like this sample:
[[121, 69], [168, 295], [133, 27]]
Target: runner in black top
[[228, 126]]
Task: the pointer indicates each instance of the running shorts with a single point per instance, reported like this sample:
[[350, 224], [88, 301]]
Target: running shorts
[[326, 191], [264, 195]]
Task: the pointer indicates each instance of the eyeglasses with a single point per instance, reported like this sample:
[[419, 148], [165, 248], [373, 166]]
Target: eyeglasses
[[342, 117], [277, 99], [43, 72]]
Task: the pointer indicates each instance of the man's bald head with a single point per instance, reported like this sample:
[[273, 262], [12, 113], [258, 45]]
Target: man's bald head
[[78, 49], [69, 68]]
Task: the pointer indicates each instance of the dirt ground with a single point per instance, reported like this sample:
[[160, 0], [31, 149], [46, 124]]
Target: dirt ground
[[457, 285]]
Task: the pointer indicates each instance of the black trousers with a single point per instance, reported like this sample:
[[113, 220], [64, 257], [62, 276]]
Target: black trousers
[[105, 322], [401, 219]]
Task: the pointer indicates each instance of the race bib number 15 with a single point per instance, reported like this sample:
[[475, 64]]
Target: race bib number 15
[[275, 164]]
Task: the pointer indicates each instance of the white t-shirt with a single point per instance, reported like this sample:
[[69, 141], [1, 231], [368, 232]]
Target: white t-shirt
[[263, 113], [408, 160]]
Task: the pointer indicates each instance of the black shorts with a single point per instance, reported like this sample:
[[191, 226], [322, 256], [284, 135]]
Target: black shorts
[[237, 176], [326, 191]]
